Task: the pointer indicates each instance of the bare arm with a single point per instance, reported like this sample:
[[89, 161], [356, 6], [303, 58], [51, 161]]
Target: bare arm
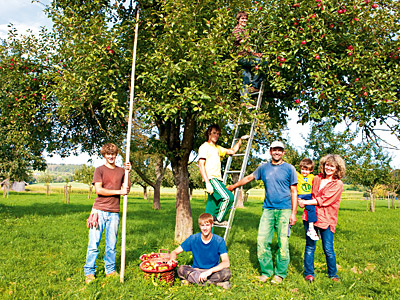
[[222, 265], [174, 254], [202, 168], [235, 148], [293, 197], [303, 203], [98, 186], [244, 180]]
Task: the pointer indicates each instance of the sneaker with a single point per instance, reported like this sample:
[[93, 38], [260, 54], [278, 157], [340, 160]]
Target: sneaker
[[309, 278], [112, 274], [222, 223], [226, 285], [263, 278], [276, 280], [89, 278], [335, 279], [312, 234]]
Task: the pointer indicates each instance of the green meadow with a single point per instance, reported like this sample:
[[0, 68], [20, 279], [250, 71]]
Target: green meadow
[[43, 248]]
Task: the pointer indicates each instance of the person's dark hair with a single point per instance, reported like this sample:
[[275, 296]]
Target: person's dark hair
[[307, 163], [210, 128], [335, 160], [109, 148], [241, 14]]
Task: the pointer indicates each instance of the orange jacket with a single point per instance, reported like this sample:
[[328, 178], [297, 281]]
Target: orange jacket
[[328, 199]]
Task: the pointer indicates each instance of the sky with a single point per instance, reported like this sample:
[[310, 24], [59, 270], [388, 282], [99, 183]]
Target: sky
[[24, 14]]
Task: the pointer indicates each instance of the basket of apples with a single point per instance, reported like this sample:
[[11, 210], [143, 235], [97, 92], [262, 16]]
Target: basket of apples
[[162, 253], [158, 267]]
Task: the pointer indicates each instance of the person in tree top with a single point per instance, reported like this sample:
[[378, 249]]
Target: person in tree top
[[248, 59]]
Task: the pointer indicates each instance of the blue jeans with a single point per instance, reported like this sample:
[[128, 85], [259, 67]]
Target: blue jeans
[[248, 63], [327, 244], [273, 220], [110, 222]]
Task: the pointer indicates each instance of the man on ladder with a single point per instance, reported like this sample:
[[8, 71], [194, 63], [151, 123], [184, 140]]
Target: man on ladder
[[219, 199]]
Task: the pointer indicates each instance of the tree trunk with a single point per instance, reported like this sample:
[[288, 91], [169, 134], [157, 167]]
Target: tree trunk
[[239, 203], [159, 171], [145, 193], [190, 193], [372, 205], [184, 221], [157, 196], [90, 191], [179, 148]]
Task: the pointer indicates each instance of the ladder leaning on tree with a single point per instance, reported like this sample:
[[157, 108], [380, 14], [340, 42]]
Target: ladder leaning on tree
[[245, 157]]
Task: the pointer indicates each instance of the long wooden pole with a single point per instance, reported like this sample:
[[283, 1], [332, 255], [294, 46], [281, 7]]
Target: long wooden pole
[[128, 147]]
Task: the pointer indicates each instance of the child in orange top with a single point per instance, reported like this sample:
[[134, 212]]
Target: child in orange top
[[304, 188]]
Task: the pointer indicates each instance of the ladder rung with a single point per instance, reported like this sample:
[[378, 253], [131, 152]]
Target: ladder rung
[[240, 154], [234, 171], [222, 226]]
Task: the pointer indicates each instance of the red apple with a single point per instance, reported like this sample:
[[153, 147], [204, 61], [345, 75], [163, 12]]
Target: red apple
[[365, 94], [331, 26], [340, 11], [374, 5], [318, 5], [350, 53], [256, 67], [278, 73], [298, 101], [214, 63], [356, 19], [282, 59], [357, 79], [317, 56], [303, 42]]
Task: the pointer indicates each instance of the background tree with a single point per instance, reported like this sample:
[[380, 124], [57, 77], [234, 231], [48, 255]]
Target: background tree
[[85, 175], [369, 166]]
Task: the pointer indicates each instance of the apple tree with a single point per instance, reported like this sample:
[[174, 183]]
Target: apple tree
[[27, 121], [323, 59]]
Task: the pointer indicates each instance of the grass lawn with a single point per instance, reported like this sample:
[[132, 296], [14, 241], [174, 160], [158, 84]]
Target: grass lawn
[[43, 249]]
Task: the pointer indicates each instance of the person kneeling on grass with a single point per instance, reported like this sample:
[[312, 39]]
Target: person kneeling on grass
[[207, 248]]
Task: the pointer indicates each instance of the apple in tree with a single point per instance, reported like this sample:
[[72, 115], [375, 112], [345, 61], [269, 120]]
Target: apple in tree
[[303, 42], [256, 67], [317, 56], [282, 59], [298, 101], [374, 5], [278, 73]]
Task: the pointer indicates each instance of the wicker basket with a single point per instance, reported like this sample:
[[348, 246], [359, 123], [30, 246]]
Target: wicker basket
[[162, 271]]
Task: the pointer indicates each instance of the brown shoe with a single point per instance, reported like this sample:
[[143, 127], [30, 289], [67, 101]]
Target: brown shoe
[[89, 278], [112, 274], [253, 90]]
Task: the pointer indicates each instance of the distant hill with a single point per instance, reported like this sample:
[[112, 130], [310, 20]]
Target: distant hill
[[55, 168]]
